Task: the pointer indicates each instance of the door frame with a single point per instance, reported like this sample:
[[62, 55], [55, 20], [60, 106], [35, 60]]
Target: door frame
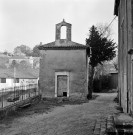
[[56, 75]]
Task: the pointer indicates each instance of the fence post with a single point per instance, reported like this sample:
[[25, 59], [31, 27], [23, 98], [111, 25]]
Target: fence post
[[34, 89], [25, 90], [38, 89], [22, 92], [2, 99], [29, 90]]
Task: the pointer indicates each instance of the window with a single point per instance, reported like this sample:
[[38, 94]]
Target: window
[[63, 32], [3, 80], [16, 80]]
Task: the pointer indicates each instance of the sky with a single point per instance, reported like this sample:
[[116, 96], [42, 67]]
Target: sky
[[30, 22]]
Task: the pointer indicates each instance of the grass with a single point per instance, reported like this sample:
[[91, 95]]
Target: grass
[[43, 106]]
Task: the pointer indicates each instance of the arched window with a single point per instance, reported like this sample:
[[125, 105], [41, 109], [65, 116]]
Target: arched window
[[63, 32]]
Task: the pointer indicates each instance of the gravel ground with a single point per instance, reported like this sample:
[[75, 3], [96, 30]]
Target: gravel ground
[[63, 120]]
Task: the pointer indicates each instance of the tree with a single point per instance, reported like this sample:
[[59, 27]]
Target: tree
[[7, 53], [36, 51], [23, 49], [100, 49]]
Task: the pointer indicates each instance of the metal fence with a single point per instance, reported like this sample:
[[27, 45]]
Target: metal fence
[[12, 95]]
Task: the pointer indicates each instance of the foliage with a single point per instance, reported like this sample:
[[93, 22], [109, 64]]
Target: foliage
[[36, 51], [23, 49], [7, 53], [101, 83], [100, 70], [100, 49]]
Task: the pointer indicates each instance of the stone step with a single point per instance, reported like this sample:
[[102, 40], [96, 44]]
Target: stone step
[[120, 125], [124, 131], [127, 125]]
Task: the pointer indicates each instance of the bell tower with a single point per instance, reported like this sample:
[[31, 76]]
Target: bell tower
[[58, 33]]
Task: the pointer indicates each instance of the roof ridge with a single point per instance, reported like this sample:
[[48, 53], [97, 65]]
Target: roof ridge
[[58, 44]]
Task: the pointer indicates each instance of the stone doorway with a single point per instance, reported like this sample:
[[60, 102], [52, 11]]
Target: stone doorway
[[61, 84]]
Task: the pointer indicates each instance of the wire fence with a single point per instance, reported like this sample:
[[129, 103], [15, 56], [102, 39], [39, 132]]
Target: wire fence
[[12, 95]]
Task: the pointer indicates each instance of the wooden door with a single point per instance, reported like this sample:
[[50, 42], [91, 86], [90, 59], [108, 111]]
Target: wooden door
[[61, 85]]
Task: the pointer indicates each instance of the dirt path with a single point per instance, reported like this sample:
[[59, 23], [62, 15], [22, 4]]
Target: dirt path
[[68, 120]]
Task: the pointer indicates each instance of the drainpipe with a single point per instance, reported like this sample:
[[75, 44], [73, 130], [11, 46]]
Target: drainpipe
[[127, 57], [130, 52]]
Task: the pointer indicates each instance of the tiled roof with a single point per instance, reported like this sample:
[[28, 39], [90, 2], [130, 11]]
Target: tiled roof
[[62, 44], [9, 73]]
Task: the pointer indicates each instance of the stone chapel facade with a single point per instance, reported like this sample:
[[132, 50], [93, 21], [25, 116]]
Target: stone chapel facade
[[63, 66]]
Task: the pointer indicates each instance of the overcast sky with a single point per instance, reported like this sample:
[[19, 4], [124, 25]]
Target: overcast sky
[[30, 22]]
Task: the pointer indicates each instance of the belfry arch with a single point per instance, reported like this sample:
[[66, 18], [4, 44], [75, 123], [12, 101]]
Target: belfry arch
[[66, 33]]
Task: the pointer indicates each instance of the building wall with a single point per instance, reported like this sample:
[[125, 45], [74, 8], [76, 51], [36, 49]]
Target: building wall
[[72, 61], [125, 44], [10, 82]]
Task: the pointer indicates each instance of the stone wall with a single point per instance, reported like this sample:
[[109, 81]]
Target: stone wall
[[72, 61], [125, 66]]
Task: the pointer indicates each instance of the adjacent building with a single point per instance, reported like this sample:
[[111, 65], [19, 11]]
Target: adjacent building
[[10, 78], [124, 10], [63, 66], [22, 59]]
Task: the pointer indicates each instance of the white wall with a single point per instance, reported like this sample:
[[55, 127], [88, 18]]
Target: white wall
[[10, 83]]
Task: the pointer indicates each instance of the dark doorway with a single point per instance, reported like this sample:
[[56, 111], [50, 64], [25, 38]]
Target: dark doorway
[[64, 94]]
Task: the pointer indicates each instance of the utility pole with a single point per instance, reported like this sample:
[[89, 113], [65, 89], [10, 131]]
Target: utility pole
[[14, 74]]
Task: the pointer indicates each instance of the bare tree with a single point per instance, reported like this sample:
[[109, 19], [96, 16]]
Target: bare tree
[[104, 30]]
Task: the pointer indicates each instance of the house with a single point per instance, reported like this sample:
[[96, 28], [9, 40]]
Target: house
[[124, 10], [10, 77], [33, 61], [19, 59], [19, 74], [63, 66]]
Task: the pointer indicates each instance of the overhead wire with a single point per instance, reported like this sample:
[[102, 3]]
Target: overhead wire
[[109, 25]]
